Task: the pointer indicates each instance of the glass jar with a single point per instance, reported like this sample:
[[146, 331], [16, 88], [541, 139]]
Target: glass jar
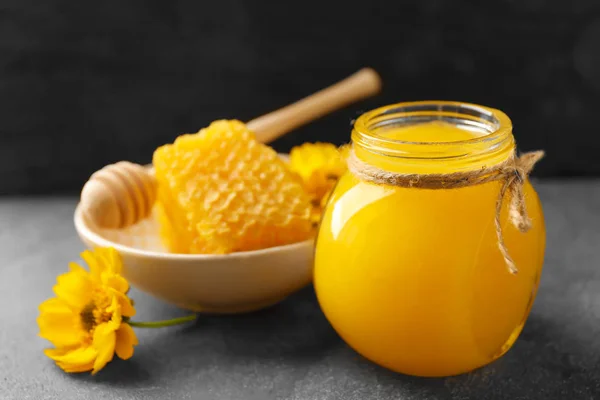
[[411, 278]]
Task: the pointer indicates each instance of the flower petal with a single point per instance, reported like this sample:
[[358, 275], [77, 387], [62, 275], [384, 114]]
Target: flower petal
[[74, 287], [104, 344], [115, 281], [111, 259], [54, 304], [77, 359], [127, 309], [78, 269], [115, 310], [95, 265], [59, 324], [75, 368], [126, 339]]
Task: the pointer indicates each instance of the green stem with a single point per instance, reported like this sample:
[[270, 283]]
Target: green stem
[[161, 324]]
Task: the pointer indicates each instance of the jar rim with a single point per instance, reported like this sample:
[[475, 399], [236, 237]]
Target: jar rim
[[495, 126], [502, 121], [495, 142]]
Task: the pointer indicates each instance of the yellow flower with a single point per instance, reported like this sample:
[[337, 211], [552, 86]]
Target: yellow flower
[[86, 321], [320, 165]]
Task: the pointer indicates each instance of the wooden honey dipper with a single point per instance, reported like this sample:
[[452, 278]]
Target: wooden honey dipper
[[122, 194]]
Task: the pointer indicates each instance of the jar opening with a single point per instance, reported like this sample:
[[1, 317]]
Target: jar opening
[[432, 131]]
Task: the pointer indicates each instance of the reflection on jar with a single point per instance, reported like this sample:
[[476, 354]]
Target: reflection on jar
[[413, 278]]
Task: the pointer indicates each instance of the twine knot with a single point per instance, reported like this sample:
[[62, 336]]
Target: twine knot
[[513, 172]]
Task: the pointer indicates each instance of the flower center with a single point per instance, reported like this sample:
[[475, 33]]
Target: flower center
[[87, 317], [94, 312]]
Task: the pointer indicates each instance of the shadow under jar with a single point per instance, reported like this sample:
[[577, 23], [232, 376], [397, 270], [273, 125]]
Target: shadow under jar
[[411, 278]]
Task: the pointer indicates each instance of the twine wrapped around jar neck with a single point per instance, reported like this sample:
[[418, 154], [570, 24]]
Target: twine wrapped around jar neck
[[513, 172]]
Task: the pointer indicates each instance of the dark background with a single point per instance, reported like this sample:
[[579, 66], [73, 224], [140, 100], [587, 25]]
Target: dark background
[[84, 84]]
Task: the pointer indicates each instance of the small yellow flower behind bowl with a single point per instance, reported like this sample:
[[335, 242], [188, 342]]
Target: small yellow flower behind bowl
[[319, 165], [86, 321]]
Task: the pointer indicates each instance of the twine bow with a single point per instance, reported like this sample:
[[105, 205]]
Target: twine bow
[[513, 172]]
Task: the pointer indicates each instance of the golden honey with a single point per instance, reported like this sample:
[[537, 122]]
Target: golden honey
[[412, 278]]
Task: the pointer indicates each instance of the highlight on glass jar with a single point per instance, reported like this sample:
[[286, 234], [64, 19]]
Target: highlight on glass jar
[[430, 250]]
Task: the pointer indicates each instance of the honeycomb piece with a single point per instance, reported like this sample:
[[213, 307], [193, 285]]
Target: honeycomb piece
[[221, 191]]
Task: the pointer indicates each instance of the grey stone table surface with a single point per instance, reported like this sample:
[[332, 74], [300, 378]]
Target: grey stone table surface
[[290, 351]]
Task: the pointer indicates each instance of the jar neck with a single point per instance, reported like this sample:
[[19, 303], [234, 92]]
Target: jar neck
[[486, 137]]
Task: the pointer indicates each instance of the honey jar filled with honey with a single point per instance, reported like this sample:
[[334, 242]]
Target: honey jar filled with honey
[[430, 250]]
